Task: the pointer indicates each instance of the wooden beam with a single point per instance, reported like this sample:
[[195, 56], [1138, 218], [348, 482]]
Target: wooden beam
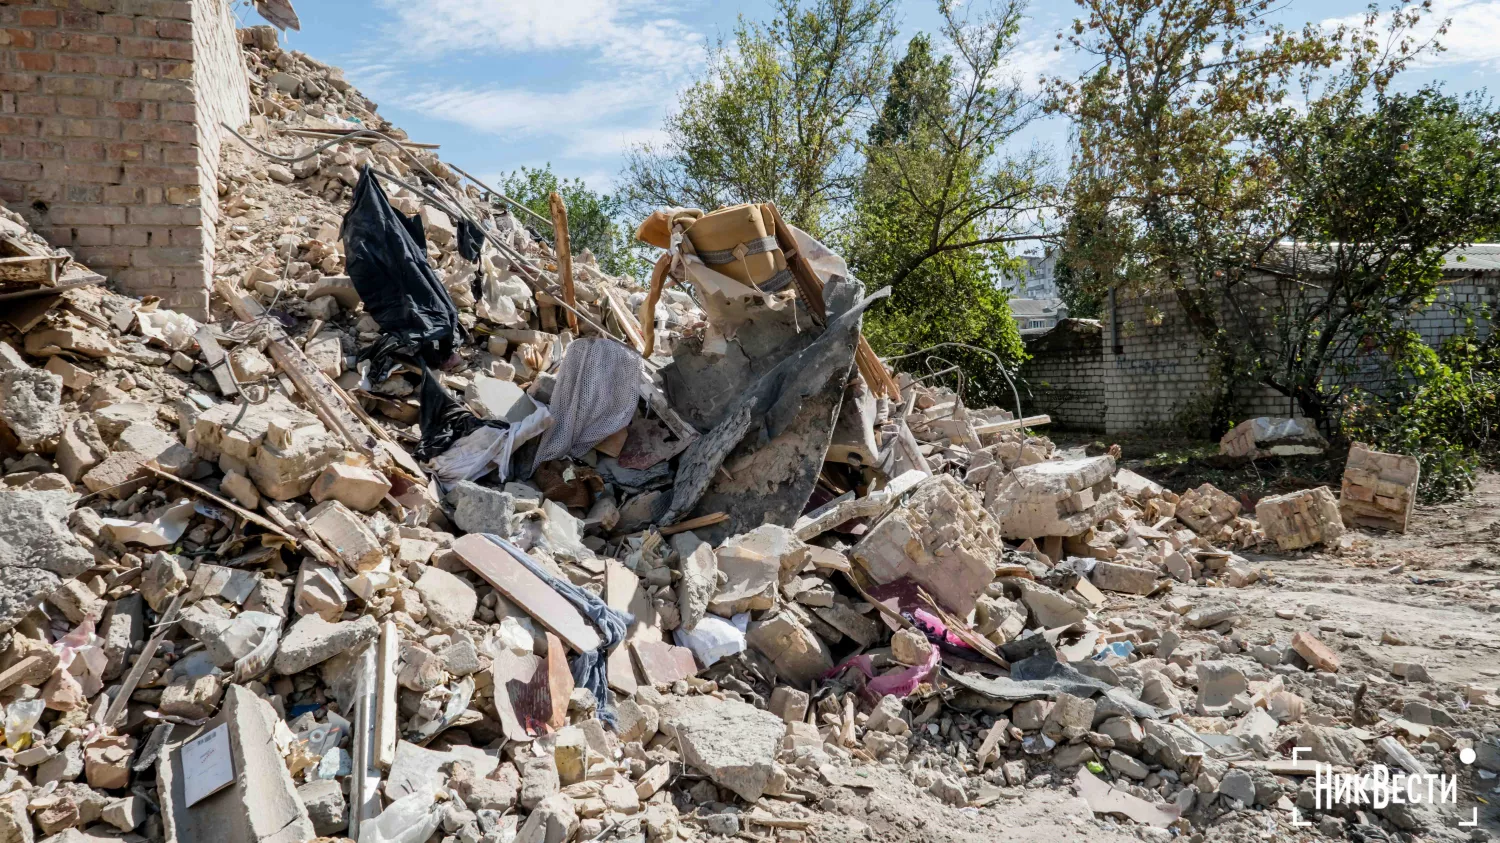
[[810, 287], [324, 396], [564, 257], [1012, 424], [694, 523]]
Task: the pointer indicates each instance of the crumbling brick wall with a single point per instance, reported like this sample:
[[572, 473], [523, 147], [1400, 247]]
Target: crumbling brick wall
[[108, 133], [1064, 375], [1156, 376]]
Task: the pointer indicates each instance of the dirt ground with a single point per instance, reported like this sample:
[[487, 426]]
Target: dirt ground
[[1430, 597]]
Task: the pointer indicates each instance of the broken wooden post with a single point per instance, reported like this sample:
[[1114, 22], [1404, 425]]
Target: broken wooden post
[[564, 258]]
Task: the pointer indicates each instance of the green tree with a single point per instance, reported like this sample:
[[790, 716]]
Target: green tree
[[1168, 177], [940, 197], [594, 219], [775, 117], [1376, 196]]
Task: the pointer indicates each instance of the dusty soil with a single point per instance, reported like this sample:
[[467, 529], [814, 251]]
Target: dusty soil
[[1431, 597]]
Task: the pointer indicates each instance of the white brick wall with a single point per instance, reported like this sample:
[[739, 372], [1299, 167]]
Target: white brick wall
[[1161, 373]]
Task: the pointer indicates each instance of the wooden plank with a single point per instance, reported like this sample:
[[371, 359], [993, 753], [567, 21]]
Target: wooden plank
[[32, 269], [527, 591], [218, 362], [623, 317], [564, 257], [143, 660], [17, 670], [324, 396], [229, 505], [810, 287], [385, 695], [694, 523], [1012, 424]]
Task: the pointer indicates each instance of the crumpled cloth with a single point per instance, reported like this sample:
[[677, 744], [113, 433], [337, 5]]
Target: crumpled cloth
[[595, 395], [485, 448], [589, 669]]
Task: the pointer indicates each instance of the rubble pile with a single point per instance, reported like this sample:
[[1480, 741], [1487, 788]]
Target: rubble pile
[[585, 560]]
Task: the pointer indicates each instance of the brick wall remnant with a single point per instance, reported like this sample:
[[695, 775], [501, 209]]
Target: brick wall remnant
[[109, 136]]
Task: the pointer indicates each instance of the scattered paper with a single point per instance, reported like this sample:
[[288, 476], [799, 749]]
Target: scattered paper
[[207, 765]]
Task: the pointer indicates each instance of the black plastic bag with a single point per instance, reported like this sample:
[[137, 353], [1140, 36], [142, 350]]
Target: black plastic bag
[[443, 419], [385, 254]]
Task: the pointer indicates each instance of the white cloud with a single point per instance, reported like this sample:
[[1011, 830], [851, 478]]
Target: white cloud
[[622, 32], [1473, 36]]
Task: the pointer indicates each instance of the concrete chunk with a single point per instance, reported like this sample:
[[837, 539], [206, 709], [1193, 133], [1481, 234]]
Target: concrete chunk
[[358, 487], [450, 601], [312, 640], [942, 538], [1054, 498], [30, 405], [346, 534], [481, 509], [798, 654], [37, 550], [733, 743], [260, 806]]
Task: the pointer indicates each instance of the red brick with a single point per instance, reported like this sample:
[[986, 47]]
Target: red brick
[[98, 173], [123, 151], [114, 66], [28, 126], [79, 86], [35, 105], [123, 110], [42, 62], [40, 150], [92, 235], [56, 41], [17, 82], [176, 9], [80, 19], [87, 215], [179, 155], [174, 29], [102, 44], [118, 24], [20, 39], [103, 7], [181, 112], [159, 131], [84, 150], [78, 106], [67, 63], [140, 89], [38, 17], [20, 170], [179, 70], [160, 176]]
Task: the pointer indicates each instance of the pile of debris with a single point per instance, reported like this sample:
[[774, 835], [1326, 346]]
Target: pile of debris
[[442, 533]]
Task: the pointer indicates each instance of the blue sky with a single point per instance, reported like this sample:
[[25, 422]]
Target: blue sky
[[505, 83]]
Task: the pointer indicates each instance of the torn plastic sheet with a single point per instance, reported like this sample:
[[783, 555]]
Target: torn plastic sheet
[[899, 684], [714, 637], [164, 531], [486, 448], [386, 258], [768, 407], [444, 419]]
